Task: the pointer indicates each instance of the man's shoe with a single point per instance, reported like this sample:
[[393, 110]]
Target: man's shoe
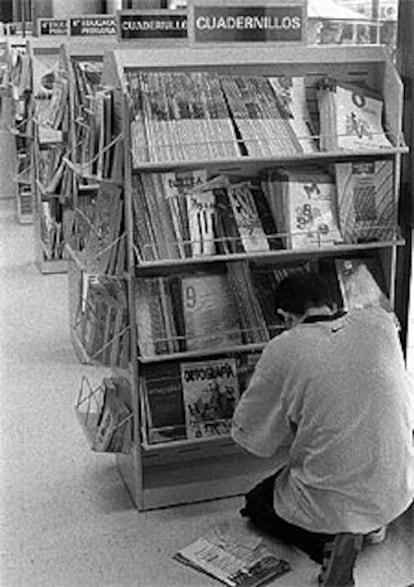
[[375, 537], [339, 559]]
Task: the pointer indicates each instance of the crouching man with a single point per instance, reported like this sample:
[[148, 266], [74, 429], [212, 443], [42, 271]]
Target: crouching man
[[330, 401]]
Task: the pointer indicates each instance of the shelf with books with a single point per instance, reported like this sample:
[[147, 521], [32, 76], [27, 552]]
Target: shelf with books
[[62, 75], [21, 128], [211, 226]]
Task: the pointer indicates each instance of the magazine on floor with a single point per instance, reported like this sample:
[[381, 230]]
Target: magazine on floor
[[233, 557]]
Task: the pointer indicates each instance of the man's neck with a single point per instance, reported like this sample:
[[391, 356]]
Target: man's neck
[[317, 311]]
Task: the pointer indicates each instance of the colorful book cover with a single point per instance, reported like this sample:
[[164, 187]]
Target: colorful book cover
[[247, 218], [311, 213], [361, 281], [210, 316], [253, 324], [210, 392], [291, 96], [178, 188], [367, 207], [201, 212], [164, 405], [233, 557], [359, 120], [105, 229]]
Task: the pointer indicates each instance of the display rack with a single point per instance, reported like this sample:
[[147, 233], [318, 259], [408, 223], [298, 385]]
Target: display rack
[[187, 470], [19, 79], [59, 54]]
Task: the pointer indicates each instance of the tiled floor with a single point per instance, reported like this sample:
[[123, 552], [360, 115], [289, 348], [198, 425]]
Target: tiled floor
[[66, 518]]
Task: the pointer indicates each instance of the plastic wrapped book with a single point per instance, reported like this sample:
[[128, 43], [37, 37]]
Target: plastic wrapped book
[[233, 557]]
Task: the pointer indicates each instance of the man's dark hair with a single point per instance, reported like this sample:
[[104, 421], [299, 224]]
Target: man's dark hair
[[300, 291]]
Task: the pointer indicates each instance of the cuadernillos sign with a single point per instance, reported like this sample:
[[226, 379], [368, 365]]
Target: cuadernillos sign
[[226, 24]]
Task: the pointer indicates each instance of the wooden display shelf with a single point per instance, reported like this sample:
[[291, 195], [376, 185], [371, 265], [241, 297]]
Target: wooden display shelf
[[252, 166], [192, 473], [171, 266], [189, 471]]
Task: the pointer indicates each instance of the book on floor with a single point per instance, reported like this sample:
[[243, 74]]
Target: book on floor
[[236, 558]]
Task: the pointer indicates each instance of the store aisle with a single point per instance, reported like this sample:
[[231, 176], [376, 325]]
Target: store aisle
[[66, 517]]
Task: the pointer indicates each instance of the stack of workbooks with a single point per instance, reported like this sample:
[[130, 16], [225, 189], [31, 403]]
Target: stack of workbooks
[[156, 317], [185, 215], [203, 116], [253, 322], [361, 283], [366, 202], [179, 117], [264, 131], [304, 206], [350, 117], [292, 98]]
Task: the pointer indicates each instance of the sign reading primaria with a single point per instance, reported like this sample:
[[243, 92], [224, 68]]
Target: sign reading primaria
[[86, 26], [282, 23]]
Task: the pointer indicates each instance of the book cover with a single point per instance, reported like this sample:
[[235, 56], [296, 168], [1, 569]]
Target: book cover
[[310, 209], [210, 393], [201, 213], [233, 557], [210, 316], [164, 405], [367, 206], [178, 188], [361, 281], [160, 216], [247, 218], [105, 228], [113, 430], [290, 92], [252, 320], [351, 118], [155, 318]]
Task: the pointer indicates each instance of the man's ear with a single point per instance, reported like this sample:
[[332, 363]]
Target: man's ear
[[289, 318]]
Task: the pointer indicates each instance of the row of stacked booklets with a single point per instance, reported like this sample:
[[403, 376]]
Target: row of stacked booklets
[[191, 116], [182, 215]]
